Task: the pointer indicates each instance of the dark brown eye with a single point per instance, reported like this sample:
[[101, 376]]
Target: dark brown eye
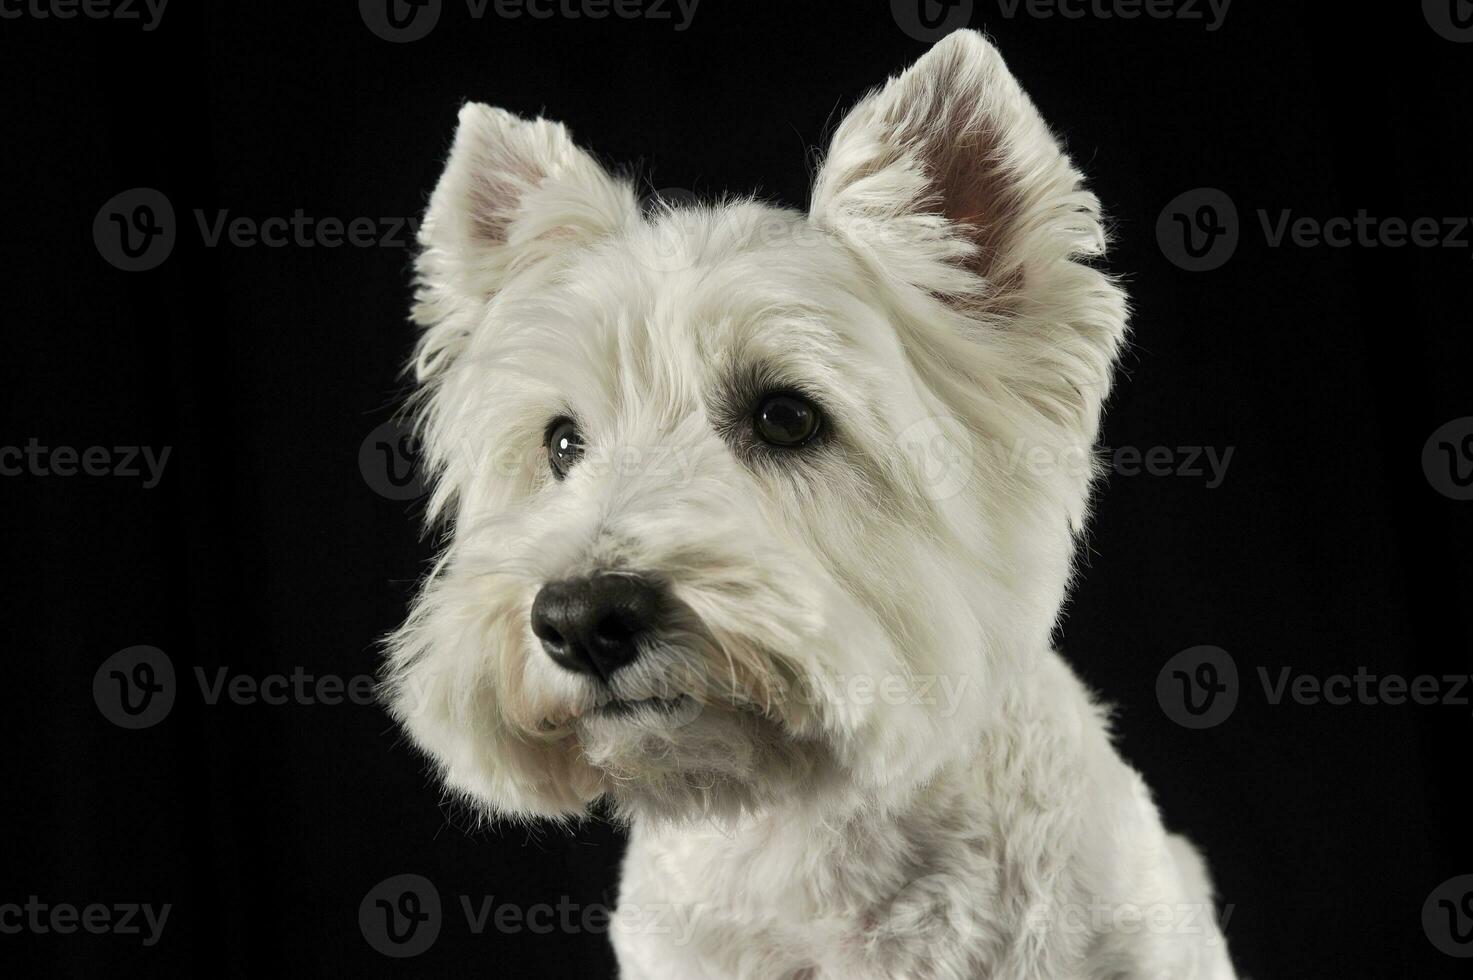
[[564, 446], [786, 420]]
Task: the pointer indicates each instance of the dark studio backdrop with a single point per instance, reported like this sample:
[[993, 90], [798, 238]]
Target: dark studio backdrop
[[1290, 443]]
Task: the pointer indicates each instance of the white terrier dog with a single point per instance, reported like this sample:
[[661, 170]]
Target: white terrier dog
[[703, 564]]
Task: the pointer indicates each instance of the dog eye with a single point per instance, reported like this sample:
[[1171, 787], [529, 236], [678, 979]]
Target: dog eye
[[786, 420], [564, 446]]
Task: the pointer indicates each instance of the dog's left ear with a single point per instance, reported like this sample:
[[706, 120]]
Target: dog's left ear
[[949, 184], [514, 192]]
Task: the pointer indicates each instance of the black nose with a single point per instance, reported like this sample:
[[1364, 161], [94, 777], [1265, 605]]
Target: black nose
[[594, 625]]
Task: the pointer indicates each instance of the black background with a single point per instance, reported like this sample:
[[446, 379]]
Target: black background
[[263, 548]]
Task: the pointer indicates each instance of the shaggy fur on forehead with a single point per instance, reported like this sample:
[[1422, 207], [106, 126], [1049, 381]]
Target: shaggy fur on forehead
[[861, 716]]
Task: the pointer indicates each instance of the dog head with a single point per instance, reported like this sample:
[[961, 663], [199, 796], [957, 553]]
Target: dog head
[[743, 504]]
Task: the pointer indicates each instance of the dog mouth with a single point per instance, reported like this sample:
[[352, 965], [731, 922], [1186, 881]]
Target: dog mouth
[[660, 711], [626, 708]]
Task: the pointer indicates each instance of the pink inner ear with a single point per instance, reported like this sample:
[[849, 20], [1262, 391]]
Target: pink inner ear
[[976, 192], [943, 117], [495, 195]]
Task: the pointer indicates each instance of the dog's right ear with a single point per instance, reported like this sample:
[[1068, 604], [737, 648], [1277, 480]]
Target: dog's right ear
[[514, 192], [948, 180]]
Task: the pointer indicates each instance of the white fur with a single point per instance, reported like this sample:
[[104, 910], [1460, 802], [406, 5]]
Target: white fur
[[820, 810]]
